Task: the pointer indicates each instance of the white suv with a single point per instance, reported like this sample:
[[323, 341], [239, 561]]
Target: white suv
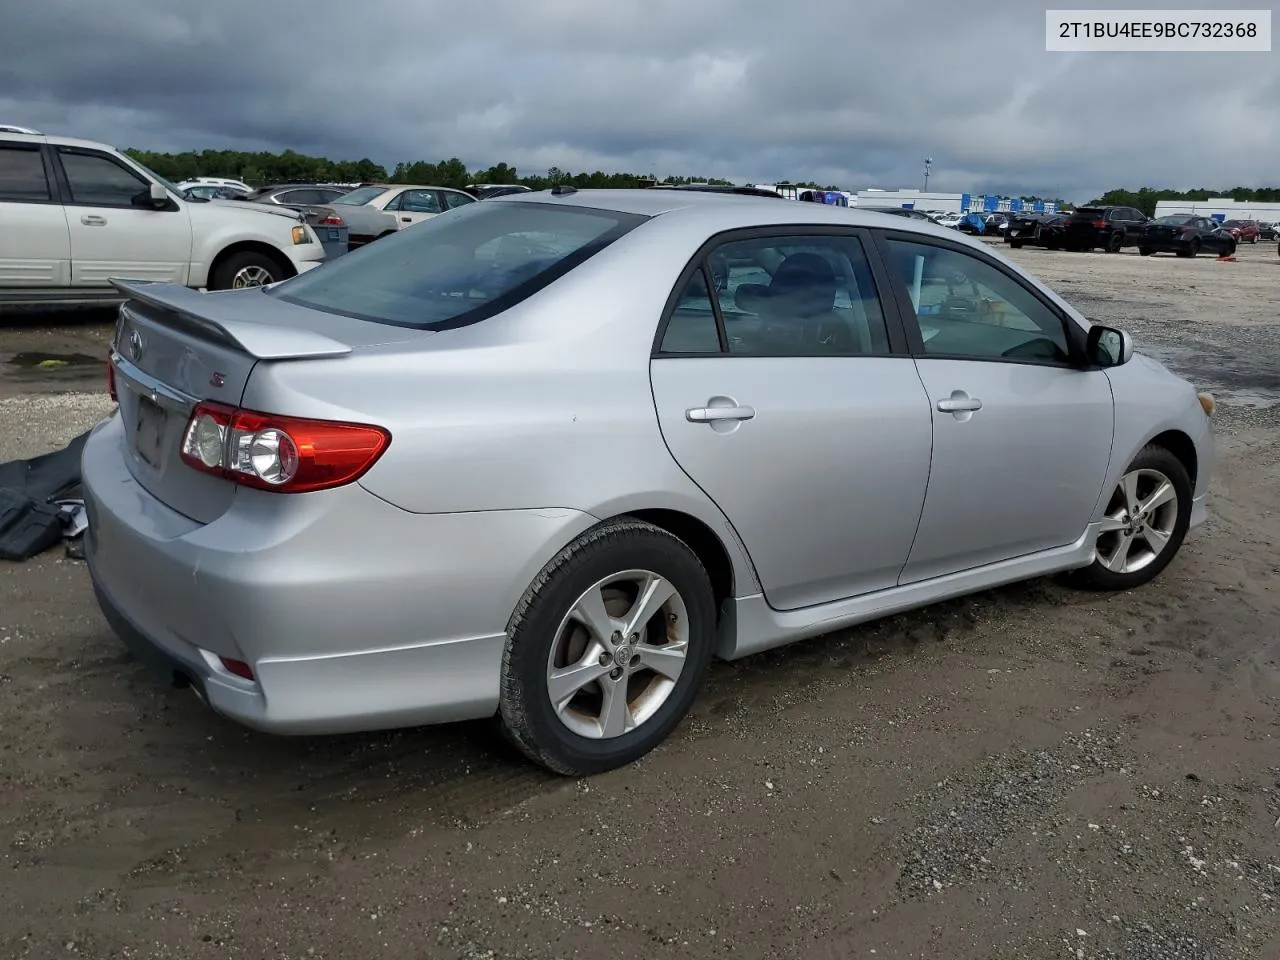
[[74, 215]]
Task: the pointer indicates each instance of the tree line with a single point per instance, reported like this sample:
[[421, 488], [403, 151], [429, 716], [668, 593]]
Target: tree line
[[260, 168], [1146, 198]]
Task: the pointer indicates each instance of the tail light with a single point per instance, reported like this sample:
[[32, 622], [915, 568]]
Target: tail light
[[332, 220], [281, 454], [111, 380], [1102, 224]]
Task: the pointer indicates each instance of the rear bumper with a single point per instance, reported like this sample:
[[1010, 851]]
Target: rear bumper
[[352, 614]]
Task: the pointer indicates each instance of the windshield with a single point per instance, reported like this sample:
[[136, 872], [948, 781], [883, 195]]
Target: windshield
[[459, 267], [360, 196], [1234, 223]]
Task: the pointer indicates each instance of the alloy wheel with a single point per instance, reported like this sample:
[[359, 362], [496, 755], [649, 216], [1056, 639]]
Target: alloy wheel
[[1139, 523], [251, 276], [617, 654]]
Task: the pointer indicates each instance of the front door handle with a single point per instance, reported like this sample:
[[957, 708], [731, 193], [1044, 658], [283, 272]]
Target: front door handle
[[93, 220], [406, 219], [959, 402], [714, 414]]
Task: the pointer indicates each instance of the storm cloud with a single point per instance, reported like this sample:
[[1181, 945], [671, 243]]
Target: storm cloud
[[851, 94]]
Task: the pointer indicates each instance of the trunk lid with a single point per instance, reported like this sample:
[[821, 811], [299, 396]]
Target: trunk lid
[[175, 347]]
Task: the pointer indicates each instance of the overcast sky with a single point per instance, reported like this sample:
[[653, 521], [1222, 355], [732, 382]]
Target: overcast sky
[[855, 94]]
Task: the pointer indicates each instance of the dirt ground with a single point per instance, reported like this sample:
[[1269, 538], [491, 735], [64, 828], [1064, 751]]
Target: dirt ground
[[1031, 773]]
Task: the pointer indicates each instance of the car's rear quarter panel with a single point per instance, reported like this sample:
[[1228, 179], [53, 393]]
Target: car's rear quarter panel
[[547, 406]]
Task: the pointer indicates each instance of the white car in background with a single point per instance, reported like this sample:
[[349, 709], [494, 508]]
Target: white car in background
[[376, 210], [951, 220], [216, 182], [78, 214]]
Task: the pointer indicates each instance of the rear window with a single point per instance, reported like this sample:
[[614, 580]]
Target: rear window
[[361, 195], [1235, 223], [1175, 220], [461, 266], [1089, 213]]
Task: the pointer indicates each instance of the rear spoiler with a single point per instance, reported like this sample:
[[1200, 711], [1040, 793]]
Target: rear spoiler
[[236, 321]]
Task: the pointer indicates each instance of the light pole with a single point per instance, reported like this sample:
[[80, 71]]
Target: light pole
[[927, 164]]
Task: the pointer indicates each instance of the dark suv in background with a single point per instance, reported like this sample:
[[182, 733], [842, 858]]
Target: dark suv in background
[[1110, 228]]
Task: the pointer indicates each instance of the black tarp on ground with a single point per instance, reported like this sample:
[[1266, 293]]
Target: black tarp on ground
[[30, 519]]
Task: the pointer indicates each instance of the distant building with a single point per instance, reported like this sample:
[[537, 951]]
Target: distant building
[[948, 202]]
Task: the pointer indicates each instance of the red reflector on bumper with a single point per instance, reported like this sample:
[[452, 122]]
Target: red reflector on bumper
[[238, 667]]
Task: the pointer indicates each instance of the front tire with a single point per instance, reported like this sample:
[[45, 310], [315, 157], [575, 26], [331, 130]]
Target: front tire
[[246, 269], [607, 649], [1145, 521]]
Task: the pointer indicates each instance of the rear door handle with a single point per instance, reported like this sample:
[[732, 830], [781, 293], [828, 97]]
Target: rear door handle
[[713, 414], [93, 220], [959, 402]]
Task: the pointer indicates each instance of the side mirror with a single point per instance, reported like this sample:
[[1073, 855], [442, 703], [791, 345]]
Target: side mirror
[[1108, 347], [159, 196]]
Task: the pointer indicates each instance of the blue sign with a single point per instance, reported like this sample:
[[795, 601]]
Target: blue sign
[[965, 200], [1038, 206], [909, 206], [1015, 204], [991, 204], [1219, 217]]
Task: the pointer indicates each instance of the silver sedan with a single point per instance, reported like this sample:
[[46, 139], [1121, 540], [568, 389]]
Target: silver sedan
[[544, 457]]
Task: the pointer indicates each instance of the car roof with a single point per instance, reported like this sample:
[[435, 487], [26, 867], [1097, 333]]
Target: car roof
[[726, 211]]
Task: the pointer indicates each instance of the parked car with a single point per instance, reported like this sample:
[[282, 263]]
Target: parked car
[[212, 191], [949, 220], [298, 194], [1039, 229], [231, 182], [995, 224], [1244, 231], [378, 210], [1267, 231], [77, 214], [974, 224], [1187, 235], [1111, 228], [359, 534]]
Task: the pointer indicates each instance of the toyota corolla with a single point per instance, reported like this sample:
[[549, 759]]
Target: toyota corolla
[[544, 457]]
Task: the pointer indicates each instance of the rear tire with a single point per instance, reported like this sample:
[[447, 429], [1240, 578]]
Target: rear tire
[[1114, 243], [246, 269], [619, 672], [1149, 536], [1191, 251]]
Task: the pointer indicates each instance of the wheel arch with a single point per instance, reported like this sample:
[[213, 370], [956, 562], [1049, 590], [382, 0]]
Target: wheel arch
[[703, 541], [251, 246], [1181, 446]]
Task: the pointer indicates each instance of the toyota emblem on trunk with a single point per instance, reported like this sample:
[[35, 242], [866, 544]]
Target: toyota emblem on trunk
[[136, 344]]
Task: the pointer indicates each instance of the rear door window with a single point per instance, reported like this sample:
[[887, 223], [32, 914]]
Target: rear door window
[[451, 271], [782, 296], [22, 176]]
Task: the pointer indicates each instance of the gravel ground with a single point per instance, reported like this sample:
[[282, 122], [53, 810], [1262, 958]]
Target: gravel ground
[[1029, 774]]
